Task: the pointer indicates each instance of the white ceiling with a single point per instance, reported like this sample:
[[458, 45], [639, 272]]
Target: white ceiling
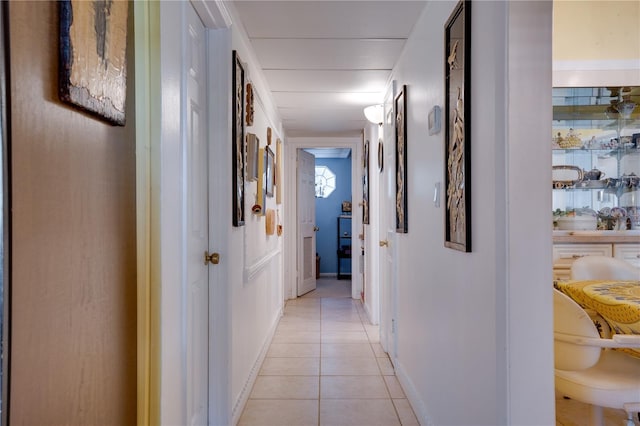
[[324, 61], [329, 152]]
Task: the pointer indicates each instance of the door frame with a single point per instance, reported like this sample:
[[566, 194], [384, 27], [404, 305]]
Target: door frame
[[159, 216], [5, 250], [290, 242], [219, 66]]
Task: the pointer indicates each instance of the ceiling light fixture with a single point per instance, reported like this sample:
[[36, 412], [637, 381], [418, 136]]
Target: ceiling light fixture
[[374, 114]]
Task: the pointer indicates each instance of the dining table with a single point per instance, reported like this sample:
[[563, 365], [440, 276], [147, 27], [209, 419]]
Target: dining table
[[616, 301]]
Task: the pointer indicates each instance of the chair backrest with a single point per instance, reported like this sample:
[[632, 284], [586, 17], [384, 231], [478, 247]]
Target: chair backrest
[[570, 318], [603, 268]]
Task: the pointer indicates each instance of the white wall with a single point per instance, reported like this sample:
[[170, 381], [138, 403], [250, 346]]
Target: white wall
[[255, 274], [475, 329], [598, 43]]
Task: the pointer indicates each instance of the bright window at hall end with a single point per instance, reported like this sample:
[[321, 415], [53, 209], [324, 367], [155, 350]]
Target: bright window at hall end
[[325, 181]]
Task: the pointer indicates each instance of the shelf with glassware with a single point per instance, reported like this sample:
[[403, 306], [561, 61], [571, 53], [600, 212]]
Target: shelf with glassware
[[344, 244], [602, 184], [596, 158]]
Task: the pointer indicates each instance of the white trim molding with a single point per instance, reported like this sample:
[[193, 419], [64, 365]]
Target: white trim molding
[[252, 270], [144, 93], [596, 73], [213, 13], [419, 408]]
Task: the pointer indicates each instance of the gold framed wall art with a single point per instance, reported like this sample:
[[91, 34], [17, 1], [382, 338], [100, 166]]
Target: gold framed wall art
[[457, 128]]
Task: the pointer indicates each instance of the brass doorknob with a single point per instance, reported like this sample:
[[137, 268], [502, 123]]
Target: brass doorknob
[[384, 243], [211, 258]]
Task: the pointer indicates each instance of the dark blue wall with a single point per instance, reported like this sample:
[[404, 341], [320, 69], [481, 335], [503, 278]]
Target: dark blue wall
[[327, 211]]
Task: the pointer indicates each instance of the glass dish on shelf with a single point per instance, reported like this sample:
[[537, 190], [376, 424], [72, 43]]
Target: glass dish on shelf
[[570, 140]]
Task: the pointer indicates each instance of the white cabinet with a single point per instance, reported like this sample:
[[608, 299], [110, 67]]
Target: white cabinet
[[628, 252], [565, 254], [574, 251]]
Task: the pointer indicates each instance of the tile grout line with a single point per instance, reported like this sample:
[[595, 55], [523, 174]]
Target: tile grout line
[[370, 345], [386, 386], [320, 366]]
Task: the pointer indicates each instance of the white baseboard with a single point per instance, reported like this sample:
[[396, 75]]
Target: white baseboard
[[365, 306], [328, 275], [412, 395], [240, 403]]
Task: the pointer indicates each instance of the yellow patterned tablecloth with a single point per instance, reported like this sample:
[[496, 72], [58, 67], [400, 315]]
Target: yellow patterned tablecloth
[[618, 302]]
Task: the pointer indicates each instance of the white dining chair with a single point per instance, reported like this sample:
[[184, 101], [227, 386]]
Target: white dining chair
[[603, 268], [587, 369]]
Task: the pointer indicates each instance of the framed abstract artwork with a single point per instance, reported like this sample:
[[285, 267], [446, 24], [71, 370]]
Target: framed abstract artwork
[[457, 60], [278, 183], [259, 208], [269, 170], [249, 106], [92, 70], [237, 134], [400, 108], [251, 163]]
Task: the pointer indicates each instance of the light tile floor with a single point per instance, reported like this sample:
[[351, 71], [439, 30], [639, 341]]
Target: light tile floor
[[325, 366], [573, 413]]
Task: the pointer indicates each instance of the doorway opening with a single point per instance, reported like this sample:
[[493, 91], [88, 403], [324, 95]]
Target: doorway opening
[[333, 204], [295, 272]]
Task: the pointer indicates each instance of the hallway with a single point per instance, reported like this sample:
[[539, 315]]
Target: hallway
[[325, 366]]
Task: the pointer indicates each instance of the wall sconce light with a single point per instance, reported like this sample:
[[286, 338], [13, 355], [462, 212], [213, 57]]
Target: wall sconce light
[[374, 114]]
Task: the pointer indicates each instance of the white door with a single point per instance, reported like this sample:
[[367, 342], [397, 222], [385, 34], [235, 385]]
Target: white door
[[196, 218], [306, 212], [386, 266]]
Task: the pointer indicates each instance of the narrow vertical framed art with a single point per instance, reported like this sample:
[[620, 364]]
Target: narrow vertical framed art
[[278, 178], [400, 108], [458, 129], [251, 160], [5, 258], [237, 134]]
